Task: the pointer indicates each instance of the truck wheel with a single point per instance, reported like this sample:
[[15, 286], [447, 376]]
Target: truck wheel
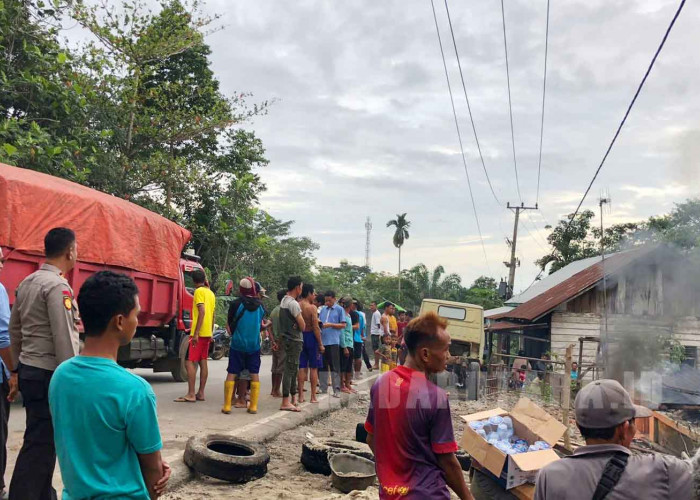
[[314, 454], [180, 371], [227, 458]]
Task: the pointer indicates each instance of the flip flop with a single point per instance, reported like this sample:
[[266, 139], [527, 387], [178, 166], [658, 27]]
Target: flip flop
[[293, 409], [183, 399], [199, 399]]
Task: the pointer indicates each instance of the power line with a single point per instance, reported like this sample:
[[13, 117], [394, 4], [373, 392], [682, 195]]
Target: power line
[[466, 97], [459, 135], [629, 108], [510, 105], [544, 93]]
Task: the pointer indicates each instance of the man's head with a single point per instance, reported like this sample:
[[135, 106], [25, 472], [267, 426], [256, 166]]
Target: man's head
[[246, 287], [373, 306], [574, 366], [61, 248], [260, 292], [402, 316], [346, 303], [198, 277], [329, 297], [280, 295], [109, 305], [319, 300], [294, 286], [387, 308], [428, 342], [308, 293], [605, 413]]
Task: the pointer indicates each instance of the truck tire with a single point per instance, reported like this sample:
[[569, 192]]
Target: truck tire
[[227, 458], [314, 454], [180, 371]]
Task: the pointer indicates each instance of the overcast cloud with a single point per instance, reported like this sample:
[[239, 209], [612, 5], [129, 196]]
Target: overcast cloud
[[363, 125]]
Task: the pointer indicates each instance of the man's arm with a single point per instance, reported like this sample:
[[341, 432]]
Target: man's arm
[[15, 329], [59, 303], [200, 320], [453, 475], [317, 329], [155, 473], [370, 441], [5, 352], [384, 322]]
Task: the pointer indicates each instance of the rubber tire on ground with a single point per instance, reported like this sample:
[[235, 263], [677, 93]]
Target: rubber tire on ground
[[314, 455], [180, 372], [218, 352], [361, 433], [231, 468], [464, 459]]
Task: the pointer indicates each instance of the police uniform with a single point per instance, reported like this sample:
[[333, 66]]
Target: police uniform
[[43, 334]]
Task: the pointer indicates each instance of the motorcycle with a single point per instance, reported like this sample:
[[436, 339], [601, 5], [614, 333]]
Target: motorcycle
[[220, 344], [265, 343]]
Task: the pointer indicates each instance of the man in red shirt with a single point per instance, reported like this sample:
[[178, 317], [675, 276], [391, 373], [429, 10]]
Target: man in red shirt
[[409, 424]]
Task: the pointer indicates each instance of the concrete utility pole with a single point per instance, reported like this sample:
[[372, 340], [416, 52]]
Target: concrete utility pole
[[606, 345], [513, 261], [368, 227]]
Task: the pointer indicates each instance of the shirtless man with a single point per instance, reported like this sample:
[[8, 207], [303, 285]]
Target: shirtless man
[[386, 319], [312, 351]]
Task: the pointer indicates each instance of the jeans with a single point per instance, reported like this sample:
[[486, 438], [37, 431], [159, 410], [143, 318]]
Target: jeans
[[331, 361], [4, 417]]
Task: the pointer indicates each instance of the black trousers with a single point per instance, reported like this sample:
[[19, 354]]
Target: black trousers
[[331, 362], [365, 357], [36, 462], [4, 417]]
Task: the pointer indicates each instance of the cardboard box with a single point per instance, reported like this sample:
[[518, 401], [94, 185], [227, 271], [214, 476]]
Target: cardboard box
[[530, 422]]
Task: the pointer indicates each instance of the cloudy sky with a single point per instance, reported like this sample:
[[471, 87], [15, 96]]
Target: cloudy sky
[[362, 124]]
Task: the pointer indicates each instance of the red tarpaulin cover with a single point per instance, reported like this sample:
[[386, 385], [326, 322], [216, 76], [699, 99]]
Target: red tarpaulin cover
[[109, 230]]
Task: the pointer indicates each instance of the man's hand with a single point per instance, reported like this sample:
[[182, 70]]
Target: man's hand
[[195, 339], [275, 346], [163, 481], [346, 352], [14, 388], [321, 349]]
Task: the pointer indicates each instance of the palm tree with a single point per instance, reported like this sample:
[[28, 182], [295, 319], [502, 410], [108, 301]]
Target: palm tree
[[400, 235], [432, 285]]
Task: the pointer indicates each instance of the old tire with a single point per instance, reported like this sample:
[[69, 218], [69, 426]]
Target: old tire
[[464, 459], [227, 458], [314, 454], [361, 433], [218, 351], [180, 371]]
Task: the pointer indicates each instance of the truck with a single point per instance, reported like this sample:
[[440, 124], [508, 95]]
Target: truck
[[465, 324], [112, 234]]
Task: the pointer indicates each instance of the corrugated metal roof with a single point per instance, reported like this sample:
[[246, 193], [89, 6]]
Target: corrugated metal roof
[[575, 285], [498, 310]]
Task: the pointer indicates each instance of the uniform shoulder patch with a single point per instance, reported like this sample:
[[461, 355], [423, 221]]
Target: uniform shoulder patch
[[68, 303]]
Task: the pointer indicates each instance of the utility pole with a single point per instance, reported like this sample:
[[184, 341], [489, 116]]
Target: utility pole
[[368, 227], [606, 346], [513, 260]]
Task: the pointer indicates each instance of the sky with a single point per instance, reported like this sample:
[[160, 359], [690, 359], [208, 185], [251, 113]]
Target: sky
[[362, 125]]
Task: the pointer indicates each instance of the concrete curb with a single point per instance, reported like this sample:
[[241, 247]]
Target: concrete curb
[[269, 428]]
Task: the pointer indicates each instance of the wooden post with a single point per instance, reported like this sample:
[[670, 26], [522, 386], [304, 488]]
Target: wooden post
[[566, 396]]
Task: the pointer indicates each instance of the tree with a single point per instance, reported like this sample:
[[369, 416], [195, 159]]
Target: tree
[[570, 242], [400, 236], [432, 285], [486, 283]]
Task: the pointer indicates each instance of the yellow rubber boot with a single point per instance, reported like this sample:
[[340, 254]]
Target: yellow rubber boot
[[228, 396], [254, 397]]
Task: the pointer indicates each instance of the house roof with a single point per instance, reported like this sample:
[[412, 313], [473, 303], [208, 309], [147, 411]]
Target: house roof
[[497, 311], [574, 285]]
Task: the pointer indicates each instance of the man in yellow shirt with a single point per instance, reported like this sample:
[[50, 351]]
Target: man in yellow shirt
[[393, 324], [200, 337]]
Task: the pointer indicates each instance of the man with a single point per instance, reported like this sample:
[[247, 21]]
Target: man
[[292, 326], [375, 331], [312, 349], [333, 318], [8, 387], [409, 424], [359, 350], [605, 416], [277, 349], [200, 337], [43, 334], [393, 324], [401, 325], [245, 315], [352, 323], [385, 321], [105, 417]]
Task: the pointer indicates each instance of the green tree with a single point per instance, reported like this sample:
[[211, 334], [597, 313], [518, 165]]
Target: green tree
[[400, 236], [433, 285], [571, 240]]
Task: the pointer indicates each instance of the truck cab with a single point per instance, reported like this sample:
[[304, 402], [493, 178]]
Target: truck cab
[[465, 324]]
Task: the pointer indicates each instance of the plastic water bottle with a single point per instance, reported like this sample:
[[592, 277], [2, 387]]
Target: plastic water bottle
[[503, 434], [509, 424], [478, 425], [482, 433], [542, 445], [495, 421], [492, 438], [504, 446], [533, 447]]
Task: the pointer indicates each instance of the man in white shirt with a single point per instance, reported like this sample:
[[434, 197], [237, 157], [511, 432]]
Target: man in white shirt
[[375, 332]]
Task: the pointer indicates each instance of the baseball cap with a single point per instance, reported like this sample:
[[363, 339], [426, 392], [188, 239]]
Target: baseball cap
[[605, 403], [259, 289], [247, 287]]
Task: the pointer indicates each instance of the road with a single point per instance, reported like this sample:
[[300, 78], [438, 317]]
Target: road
[[178, 421]]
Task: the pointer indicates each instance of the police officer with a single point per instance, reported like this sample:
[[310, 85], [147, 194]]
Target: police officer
[[43, 334], [605, 467]]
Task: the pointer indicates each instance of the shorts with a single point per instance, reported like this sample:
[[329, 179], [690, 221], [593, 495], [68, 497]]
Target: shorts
[[345, 362], [278, 359], [310, 357], [357, 350], [239, 361], [199, 352], [376, 342]]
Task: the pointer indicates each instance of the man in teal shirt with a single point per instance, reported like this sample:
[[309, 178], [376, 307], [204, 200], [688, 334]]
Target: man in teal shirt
[[105, 423]]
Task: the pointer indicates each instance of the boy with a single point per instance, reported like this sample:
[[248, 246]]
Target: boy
[[105, 422], [347, 346], [204, 304], [384, 353]]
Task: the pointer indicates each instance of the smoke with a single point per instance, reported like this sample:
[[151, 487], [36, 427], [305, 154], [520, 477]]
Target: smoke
[[686, 164], [653, 306]]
